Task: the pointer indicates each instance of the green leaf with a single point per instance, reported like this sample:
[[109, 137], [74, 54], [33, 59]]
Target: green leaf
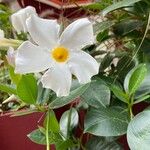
[[64, 145], [106, 61], [97, 94], [117, 5], [119, 93], [106, 122], [8, 89], [27, 89], [14, 77], [102, 26], [43, 94], [94, 6], [62, 101], [68, 121], [101, 143], [138, 133], [124, 65], [145, 85], [136, 78], [141, 99], [53, 123], [38, 137], [126, 26], [141, 8], [102, 36]]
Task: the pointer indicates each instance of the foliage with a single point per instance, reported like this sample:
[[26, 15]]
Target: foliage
[[107, 102]]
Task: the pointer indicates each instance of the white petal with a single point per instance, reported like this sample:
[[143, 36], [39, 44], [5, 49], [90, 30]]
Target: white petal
[[11, 56], [31, 58], [83, 66], [43, 31], [1, 34], [78, 34], [58, 78], [19, 18]]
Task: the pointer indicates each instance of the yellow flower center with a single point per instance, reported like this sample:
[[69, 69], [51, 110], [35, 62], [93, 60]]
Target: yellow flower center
[[60, 54]]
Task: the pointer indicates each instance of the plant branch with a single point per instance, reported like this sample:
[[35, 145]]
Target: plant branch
[[47, 133]]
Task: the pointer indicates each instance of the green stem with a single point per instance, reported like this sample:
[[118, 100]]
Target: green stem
[[130, 111], [47, 133], [130, 104]]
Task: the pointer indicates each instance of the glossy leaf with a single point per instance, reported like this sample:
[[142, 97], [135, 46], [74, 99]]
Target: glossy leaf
[[106, 122], [101, 26], [145, 85], [138, 133], [97, 94], [127, 26], [53, 123], [68, 121], [43, 94], [27, 89], [14, 77], [119, 93], [64, 145], [38, 137], [141, 99], [136, 78], [101, 143], [8, 89], [117, 5], [102, 36], [124, 66], [106, 62], [62, 101]]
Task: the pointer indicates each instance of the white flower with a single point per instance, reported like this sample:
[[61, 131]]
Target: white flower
[[19, 18], [11, 55], [60, 55]]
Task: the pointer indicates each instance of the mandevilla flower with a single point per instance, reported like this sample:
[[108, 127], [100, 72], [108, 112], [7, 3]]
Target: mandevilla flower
[[59, 55], [19, 18], [11, 55]]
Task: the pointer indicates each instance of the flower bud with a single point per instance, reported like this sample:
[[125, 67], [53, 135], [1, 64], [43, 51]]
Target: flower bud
[[11, 54]]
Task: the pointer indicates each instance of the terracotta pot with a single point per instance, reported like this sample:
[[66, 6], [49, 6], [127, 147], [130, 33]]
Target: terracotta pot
[[14, 130]]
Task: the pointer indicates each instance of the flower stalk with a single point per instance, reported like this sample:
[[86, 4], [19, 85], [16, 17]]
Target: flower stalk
[[47, 133]]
